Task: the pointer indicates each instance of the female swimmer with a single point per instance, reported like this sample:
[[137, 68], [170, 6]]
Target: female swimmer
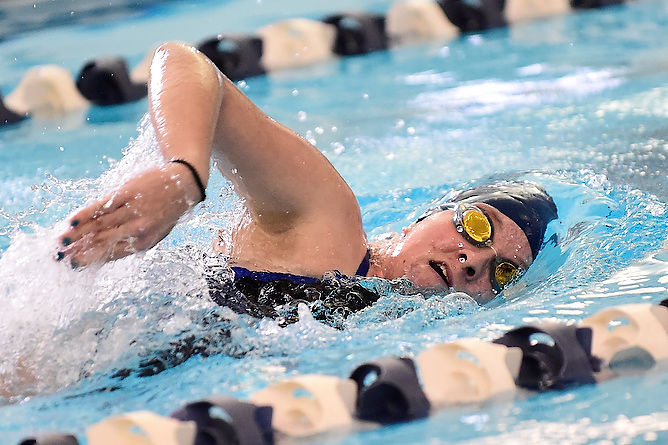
[[305, 219]]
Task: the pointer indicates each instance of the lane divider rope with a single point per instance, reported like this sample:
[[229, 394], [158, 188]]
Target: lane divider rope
[[546, 356], [48, 90]]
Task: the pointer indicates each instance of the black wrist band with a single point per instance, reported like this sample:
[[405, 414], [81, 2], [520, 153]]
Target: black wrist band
[[198, 180]]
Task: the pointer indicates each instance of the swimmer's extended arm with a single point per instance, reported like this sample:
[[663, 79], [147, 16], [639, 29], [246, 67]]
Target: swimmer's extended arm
[[184, 100], [287, 183]]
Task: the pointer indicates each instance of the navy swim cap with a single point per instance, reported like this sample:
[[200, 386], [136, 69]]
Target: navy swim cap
[[526, 203]]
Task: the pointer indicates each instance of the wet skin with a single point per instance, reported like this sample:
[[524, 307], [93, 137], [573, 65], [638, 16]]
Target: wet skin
[[432, 254]]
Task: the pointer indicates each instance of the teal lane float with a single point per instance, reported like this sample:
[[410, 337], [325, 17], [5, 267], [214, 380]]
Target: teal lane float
[[540, 357], [50, 90]]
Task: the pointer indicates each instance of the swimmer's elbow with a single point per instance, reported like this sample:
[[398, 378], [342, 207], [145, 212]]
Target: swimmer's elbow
[[185, 62], [177, 51]]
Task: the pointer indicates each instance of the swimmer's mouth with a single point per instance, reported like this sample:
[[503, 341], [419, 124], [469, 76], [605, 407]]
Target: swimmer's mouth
[[439, 268]]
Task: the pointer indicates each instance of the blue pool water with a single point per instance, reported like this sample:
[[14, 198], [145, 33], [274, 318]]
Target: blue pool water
[[577, 103]]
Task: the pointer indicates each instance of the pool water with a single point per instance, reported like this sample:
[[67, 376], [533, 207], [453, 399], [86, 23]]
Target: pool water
[[576, 103]]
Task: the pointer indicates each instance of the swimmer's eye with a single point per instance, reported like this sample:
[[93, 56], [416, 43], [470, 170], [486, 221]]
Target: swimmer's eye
[[474, 225], [504, 273], [477, 226]]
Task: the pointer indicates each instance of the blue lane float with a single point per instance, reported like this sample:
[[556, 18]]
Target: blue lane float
[[238, 56], [486, 14], [554, 355], [51, 439], [358, 33], [247, 425], [590, 4], [8, 116], [107, 81], [394, 396]]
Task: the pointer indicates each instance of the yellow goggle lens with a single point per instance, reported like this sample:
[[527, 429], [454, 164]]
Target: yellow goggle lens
[[477, 226], [505, 273]]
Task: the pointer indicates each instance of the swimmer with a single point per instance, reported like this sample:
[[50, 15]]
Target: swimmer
[[304, 218]]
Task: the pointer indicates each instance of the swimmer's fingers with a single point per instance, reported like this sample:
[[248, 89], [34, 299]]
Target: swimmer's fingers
[[121, 206], [104, 206], [141, 212], [95, 217], [99, 223], [100, 253], [111, 244]]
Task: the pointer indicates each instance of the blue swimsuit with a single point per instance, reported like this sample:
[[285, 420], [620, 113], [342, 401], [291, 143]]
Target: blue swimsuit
[[277, 295]]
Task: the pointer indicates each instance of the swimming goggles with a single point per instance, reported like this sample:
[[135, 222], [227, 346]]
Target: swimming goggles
[[476, 227]]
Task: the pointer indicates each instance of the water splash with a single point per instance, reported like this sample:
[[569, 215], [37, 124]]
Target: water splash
[[60, 325]]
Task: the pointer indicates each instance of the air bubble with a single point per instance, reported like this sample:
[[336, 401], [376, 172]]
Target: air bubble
[[460, 245], [337, 147], [460, 229], [462, 259]]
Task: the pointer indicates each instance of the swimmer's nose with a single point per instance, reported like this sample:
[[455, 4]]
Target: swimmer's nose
[[474, 266]]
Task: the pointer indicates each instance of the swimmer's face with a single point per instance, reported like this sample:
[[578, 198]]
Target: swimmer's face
[[433, 254]]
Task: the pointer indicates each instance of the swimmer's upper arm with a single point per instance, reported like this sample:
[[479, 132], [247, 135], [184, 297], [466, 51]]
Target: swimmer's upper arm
[[284, 179]]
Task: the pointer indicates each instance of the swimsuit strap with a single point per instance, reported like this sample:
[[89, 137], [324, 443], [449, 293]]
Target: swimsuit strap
[[266, 277], [363, 268]]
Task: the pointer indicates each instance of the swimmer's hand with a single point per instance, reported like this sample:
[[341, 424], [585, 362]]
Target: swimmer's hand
[[131, 219]]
